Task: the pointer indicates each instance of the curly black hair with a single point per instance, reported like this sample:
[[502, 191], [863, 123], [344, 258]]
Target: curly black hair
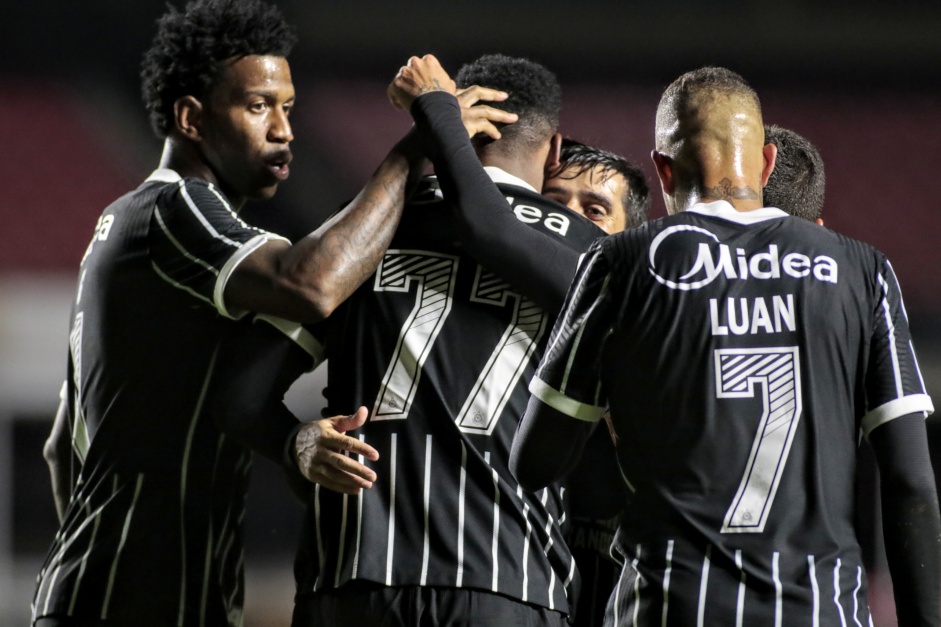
[[189, 50], [577, 158], [797, 183], [534, 95]]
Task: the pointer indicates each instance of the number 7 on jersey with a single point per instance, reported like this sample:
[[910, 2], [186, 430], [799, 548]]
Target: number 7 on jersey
[[775, 374]]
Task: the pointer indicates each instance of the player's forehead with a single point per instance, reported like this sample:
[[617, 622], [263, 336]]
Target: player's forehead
[[597, 180], [255, 74]]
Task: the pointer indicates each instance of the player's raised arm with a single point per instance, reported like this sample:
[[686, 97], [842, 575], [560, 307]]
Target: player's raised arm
[[529, 260], [307, 280]]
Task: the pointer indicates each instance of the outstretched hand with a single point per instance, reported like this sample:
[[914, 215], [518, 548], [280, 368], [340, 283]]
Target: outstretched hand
[[324, 453]]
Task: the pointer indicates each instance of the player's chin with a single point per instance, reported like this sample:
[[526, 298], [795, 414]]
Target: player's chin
[[264, 191]]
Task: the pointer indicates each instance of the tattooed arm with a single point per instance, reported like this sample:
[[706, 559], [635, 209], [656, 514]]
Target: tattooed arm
[[306, 281]]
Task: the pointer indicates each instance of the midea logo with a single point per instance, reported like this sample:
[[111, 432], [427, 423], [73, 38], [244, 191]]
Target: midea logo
[[714, 259]]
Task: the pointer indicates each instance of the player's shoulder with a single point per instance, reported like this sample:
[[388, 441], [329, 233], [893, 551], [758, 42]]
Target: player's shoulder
[[838, 245], [550, 217], [190, 191]]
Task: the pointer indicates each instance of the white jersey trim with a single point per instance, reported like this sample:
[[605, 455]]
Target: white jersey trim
[[560, 402], [164, 175], [882, 414], [498, 175], [724, 209], [299, 335], [231, 264]]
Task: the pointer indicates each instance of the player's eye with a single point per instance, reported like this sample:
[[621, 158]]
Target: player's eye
[[258, 107]]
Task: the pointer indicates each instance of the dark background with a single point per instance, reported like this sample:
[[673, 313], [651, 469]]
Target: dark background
[[862, 83]]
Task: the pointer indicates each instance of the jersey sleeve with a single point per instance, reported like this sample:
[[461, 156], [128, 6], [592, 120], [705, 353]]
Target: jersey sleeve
[[309, 338], [197, 240], [255, 365], [530, 261], [894, 385], [569, 377]]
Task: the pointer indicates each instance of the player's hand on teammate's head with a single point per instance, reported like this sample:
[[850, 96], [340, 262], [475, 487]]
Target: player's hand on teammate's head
[[419, 76], [324, 453], [481, 118]]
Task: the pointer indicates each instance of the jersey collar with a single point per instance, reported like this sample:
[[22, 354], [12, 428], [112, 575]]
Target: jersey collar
[[164, 175], [498, 175], [723, 209]]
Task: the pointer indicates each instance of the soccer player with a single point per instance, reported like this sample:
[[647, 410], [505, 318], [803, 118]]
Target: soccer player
[[796, 186], [742, 353], [608, 190], [149, 491], [440, 349], [612, 193], [600, 185]]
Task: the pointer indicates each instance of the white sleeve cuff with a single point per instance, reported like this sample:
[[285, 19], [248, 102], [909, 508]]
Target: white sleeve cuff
[[893, 409], [560, 402], [218, 294]]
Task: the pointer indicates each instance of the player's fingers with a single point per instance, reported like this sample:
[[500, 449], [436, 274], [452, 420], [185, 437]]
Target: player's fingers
[[335, 439], [477, 127], [337, 483], [348, 465], [475, 93], [323, 469], [492, 113]]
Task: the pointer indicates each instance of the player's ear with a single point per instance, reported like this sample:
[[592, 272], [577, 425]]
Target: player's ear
[[188, 117], [554, 158], [664, 166], [819, 221], [770, 152]]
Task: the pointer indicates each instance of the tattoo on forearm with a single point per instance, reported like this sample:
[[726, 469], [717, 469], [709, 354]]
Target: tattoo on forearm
[[356, 246], [725, 191]]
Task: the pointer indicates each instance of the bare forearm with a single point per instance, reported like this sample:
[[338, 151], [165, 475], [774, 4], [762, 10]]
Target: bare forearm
[[338, 257]]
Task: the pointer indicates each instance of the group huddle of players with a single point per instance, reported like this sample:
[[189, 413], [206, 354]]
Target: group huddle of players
[[478, 326]]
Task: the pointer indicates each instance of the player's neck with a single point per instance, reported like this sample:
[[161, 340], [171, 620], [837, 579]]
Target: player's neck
[[186, 161], [526, 169], [734, 190]]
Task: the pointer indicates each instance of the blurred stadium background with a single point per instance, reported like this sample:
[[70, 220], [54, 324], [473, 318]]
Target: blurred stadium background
[[861, 83]]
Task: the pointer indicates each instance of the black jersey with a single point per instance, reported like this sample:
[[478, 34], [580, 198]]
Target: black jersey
[[152, 533], [441, 350], [742, 355]]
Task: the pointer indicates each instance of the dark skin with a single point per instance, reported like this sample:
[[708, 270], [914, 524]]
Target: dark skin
[[238, 138]]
